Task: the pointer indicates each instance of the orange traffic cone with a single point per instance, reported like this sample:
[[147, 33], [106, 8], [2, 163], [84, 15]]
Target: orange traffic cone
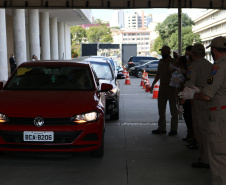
[[148, 86], [144, 87], [127, 82], [124, 71], [145, 80], [155, 91], [142, 79]]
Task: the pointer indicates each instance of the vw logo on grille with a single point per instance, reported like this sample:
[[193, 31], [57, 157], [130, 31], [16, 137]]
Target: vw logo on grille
[[39, 121]]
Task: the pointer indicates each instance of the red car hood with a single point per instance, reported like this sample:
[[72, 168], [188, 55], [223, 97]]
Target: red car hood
[[47, 103]]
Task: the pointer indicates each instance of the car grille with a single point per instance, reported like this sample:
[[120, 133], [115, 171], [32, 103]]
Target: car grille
[[48, 121], [59, 137]]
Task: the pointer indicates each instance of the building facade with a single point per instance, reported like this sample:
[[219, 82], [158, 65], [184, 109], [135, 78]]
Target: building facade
[[212, 23], [140, 37], [135, 20], [44, 33]]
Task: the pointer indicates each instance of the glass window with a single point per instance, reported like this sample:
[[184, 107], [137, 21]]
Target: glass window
[[102, 70], [51, 78]]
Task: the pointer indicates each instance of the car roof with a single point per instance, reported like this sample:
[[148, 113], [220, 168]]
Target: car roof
[[81, 63], [96, 59]]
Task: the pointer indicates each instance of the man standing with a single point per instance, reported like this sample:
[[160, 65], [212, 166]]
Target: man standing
[[197, 76], [12, 62], [215, 93], [166, 92]]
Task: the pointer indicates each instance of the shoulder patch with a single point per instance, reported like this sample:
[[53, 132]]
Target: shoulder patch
[[214, 70], [189, 71]]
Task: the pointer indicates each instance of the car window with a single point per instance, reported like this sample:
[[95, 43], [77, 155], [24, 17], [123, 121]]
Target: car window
[[112, 64], [102, 70], [51, 78], [153, 65], [138, 59]]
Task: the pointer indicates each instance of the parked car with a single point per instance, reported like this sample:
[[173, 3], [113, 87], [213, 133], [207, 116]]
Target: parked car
[[150, 67], [53, 106], [111, 62], [138, 60], [105, 74]]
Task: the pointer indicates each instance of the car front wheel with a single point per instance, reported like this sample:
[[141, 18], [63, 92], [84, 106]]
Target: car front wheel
[[115, 116], [139, 74]]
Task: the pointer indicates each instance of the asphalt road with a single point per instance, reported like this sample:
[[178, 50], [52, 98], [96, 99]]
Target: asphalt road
[[133, 155]]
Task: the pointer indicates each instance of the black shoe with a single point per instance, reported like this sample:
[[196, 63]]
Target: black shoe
[[200, 165], [172, 133], [158, 132]]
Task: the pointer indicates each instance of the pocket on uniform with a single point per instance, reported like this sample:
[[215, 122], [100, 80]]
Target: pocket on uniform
[[218, 148], [213, 125]]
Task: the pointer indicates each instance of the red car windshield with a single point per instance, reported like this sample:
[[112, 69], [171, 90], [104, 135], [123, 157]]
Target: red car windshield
[[51, 78]]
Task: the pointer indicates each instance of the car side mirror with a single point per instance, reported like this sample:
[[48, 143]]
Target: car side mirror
[[106, 87], [120, 76], [1, 85]]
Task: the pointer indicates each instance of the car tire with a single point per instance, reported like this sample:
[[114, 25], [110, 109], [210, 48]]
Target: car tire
[[100, 151], [139, 74], [115, 116]]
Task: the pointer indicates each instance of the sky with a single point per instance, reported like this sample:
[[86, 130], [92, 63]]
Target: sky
[[159, 14]]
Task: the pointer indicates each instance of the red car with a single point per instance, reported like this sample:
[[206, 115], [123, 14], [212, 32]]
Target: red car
[[53, 106]]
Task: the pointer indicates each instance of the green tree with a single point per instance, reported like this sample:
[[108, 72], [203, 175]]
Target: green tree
[[170, 26], [78, 34], [99, 34], [158, 45], [188, 38], [168, 32]]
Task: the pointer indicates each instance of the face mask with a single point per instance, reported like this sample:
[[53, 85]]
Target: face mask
[[213, 55], [165, 56], [187, 57]]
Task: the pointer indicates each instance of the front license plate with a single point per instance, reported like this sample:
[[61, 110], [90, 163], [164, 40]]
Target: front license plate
[[38, 136]]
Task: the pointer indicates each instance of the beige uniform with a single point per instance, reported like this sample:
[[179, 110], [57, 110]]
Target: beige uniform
[[198, 74], [216, 90], [166, 92]]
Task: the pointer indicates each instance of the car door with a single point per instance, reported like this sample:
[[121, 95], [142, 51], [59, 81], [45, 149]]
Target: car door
[[152, 68]]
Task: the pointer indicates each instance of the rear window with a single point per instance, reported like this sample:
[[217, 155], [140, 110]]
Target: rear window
[[102, 70], [51, 78]]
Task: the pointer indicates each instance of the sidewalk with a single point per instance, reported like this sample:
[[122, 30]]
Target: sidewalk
[[142, 158]]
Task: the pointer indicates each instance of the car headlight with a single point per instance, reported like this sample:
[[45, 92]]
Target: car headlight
[[85, 118], [112, 92], [3, 118]]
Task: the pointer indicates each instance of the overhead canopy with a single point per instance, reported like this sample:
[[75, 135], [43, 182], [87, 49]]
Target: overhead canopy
[[112, 4]]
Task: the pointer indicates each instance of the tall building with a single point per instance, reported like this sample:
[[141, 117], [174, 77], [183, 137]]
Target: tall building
[[212, 23], [135, 20], [117, 19]]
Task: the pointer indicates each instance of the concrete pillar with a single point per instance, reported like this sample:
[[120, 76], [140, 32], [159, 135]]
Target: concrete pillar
[[19, 33], [61, 43], [67, 42], [53, 38], [45, 38], [3, 47], [33, 27]]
